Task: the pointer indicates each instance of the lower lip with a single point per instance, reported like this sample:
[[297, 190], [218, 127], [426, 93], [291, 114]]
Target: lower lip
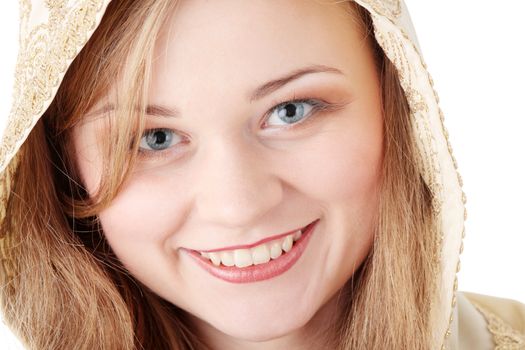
[[259, 272]]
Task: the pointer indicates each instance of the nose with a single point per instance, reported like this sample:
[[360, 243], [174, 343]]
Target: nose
[[236, 186]]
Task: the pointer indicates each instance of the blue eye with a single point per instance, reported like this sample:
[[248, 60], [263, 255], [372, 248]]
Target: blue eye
[[156, 140], [291, 112]]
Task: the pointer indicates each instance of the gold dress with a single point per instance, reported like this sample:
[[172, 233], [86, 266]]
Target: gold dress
[[53, 32]]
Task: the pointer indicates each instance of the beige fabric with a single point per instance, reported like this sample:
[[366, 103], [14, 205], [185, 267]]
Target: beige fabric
[[505, 319], [54, 31], [510, 311], [484, 322], [472, 331]]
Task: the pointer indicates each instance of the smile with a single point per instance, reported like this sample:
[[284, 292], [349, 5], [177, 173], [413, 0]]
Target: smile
[[260, 262]]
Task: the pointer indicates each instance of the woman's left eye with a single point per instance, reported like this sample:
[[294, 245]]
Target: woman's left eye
[[292, 112], [157, 139]]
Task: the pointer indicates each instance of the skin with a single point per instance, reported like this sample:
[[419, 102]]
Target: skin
[[231, 179]]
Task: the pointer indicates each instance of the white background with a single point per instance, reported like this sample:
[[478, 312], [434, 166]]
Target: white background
[[475, 52]]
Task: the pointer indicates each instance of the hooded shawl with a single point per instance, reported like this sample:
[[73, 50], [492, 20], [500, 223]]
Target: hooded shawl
[[53, 32]]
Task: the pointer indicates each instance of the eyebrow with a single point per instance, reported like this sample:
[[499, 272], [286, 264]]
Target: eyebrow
[[275, 84], [260, 92], [151, 109]]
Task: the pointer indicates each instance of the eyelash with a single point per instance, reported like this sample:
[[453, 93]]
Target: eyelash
[[317, 107]]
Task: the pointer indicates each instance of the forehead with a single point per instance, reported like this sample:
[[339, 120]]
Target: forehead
[[207, 44]]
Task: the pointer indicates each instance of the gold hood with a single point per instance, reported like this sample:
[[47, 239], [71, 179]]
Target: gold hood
[[53, 32]]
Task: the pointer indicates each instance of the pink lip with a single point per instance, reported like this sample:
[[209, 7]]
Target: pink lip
[[260, 272], [247, 246]]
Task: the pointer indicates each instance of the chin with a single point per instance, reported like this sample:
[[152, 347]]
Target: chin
[[259, 333], [254, 329]]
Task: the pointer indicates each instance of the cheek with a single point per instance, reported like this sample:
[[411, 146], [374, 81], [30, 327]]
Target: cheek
[[138, 225], [88, 154], [144, 213], [344, 162]]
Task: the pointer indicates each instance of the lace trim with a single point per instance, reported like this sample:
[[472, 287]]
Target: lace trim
[[46, 49], [388, 8], [505, 337]]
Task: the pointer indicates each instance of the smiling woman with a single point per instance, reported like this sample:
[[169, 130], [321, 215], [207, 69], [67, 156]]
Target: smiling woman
[[234, 175], [291, 146]]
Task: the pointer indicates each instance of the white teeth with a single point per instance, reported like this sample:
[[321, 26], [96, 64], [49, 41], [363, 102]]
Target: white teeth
[[297, 235], [227, 258], [276, 250], [287, 243], [260, 254], [215, 258], [242, 257], [257, 255]]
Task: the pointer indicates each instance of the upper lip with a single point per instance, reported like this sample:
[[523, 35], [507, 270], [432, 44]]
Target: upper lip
[[247, 246]]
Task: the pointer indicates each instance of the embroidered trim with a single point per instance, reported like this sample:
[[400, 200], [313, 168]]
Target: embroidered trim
[[45, 52], [387, 8], [427, 154], [505, 337]]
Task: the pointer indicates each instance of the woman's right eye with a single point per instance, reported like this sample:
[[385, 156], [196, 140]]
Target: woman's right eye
[[157, 140]]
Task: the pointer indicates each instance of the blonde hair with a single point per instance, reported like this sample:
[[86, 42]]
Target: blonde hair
[[71, 292]]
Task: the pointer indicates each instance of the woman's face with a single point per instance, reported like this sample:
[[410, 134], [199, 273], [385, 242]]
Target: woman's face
[[225, 167]]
